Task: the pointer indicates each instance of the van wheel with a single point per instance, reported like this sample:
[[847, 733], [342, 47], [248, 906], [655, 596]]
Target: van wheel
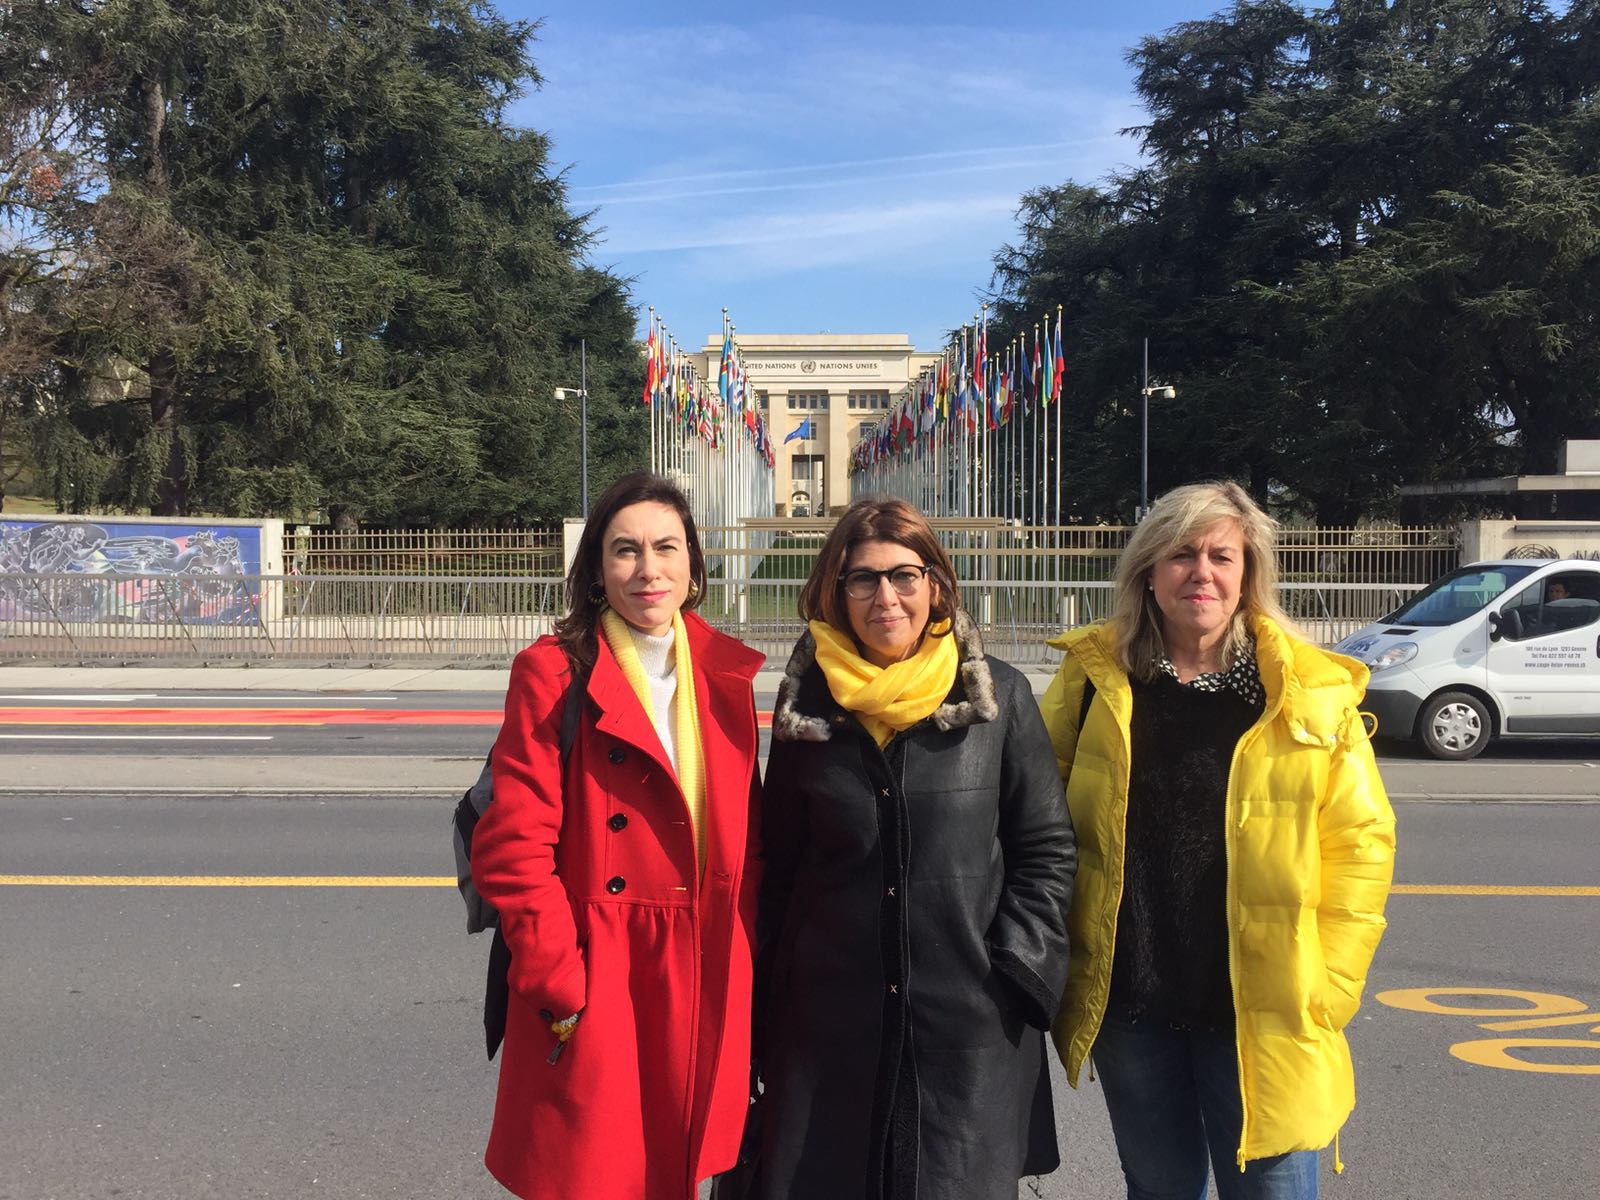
[[1454, 725]]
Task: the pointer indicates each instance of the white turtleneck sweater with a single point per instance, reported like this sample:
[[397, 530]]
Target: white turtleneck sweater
[[659, 655]]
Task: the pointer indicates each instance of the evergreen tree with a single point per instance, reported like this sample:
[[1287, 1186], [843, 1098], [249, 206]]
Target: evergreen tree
[[1362, 246], [358, 286]]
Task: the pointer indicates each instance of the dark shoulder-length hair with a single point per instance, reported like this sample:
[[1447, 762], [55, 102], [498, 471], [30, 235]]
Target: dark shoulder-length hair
[[879, 519], [578, 630]]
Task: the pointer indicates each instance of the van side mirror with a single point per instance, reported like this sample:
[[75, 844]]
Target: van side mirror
[[1507, 623]]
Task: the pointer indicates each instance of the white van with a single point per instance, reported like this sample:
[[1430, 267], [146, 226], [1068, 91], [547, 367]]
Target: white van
[[1494, 649]]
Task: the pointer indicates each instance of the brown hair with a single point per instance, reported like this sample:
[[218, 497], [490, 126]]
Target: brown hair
[[876, 520], [1175, 518], [577, 631]]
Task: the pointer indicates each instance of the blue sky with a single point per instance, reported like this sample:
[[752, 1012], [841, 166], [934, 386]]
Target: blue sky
[[841, 168]]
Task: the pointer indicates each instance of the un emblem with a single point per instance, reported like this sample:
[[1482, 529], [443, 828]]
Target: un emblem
[[808, 367]]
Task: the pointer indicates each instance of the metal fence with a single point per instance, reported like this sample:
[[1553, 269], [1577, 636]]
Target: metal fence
[[475, 552], [486, 620], [274, 618], [479, 596]]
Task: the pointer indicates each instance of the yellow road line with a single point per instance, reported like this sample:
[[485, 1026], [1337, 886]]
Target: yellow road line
[[221, 881], [1487, 889]]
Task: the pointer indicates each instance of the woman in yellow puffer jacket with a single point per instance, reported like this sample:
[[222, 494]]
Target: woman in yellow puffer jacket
[[1235, 851]]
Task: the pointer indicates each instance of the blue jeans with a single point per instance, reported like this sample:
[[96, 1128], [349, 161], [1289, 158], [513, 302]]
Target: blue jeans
[[1173, 1096]]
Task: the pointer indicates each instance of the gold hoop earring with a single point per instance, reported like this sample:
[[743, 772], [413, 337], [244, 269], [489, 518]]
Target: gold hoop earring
[[694, 589]]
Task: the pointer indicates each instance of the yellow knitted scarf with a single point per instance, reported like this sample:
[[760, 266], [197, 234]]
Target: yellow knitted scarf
[[887, 700], [685, 712]]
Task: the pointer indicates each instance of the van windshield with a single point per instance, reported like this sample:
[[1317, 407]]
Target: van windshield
[[1458, 595]]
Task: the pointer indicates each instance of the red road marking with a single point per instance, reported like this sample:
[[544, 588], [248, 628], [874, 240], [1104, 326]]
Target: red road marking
[[265, 716]]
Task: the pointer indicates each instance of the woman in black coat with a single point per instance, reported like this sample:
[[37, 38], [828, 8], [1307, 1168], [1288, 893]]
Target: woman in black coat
[[919, 861]]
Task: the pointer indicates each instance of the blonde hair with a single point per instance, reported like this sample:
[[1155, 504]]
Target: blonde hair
[[1174, 520]]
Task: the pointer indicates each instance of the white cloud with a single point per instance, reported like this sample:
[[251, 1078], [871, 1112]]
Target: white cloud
[[816, 171], [870, 219]]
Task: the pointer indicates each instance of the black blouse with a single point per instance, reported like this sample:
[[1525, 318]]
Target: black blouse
[[1171, 957]]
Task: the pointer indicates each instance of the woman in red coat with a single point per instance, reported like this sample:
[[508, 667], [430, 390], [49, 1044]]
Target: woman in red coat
[[626, 891]]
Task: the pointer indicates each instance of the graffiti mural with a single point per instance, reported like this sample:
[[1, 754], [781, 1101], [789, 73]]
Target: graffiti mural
[[130, 573]]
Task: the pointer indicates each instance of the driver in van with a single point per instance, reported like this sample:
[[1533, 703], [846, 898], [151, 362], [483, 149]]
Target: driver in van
[[1555, 590]]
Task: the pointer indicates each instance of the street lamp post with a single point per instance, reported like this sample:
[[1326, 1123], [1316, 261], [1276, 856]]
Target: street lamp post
[[1166, 392], [582, 393]]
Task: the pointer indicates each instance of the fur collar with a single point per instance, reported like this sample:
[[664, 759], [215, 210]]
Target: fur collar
[[807, 712]]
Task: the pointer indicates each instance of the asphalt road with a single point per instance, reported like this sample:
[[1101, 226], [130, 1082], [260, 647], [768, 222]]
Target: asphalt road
[[427, 740], [182, 1041], [178, 1041]]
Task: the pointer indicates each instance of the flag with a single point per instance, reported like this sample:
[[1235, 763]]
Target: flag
[[991, 396], [725, 370], [802, 430], [1061, 361], [1036, 374], [1008, 385], [1026, 365], [1048, 379], [961, 377], [651, 366], [981, 362]]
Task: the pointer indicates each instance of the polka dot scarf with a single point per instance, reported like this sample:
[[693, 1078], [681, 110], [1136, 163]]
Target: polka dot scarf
[[1243, 678]]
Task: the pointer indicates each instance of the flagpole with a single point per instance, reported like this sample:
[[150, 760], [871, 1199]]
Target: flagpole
[[1060, 412]]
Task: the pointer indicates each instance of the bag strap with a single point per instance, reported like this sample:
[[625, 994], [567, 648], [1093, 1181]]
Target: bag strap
[[497, 985], [572, 714]]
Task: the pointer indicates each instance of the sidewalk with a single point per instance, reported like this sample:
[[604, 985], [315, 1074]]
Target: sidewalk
[[1488, 778], [255, 679], [343, 680]]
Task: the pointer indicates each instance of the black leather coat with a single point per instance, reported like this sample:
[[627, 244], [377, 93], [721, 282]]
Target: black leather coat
[[915, 944]]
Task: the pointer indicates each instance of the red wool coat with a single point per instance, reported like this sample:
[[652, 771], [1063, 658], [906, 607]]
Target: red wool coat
[[596, 889]]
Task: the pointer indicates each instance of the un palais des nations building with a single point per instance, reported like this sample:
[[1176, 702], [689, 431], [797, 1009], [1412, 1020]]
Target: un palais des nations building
[[842, 383]]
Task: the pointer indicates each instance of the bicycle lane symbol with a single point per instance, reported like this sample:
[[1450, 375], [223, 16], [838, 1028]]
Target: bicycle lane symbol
[[1536, 1011]]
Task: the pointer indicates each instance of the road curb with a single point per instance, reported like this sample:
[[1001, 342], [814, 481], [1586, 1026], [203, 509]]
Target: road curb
[[1493, 798], [261, 790]]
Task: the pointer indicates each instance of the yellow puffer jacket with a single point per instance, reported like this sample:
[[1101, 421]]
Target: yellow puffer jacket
[[1310, 846]]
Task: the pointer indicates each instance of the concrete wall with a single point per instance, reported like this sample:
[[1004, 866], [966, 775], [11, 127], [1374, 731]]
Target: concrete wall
[[1483, 540], [571, 532]]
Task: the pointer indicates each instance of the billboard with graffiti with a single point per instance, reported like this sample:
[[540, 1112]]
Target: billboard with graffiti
[[130, 573]]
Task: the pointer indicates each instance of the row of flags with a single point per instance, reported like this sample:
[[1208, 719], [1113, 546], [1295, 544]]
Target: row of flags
[[970, 386], [713, 413]]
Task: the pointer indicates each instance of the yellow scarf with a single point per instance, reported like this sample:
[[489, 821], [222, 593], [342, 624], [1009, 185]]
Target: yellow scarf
[[685, 713], [887, 700]]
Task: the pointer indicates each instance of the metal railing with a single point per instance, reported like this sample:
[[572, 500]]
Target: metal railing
[[1000, 550], [491, 552], [279, 618], [75, 617]]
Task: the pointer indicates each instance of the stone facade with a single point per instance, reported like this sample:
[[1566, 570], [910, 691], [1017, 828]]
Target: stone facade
[[840, 383]]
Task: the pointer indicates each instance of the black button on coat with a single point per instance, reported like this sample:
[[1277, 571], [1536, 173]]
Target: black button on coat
[[914, 944]]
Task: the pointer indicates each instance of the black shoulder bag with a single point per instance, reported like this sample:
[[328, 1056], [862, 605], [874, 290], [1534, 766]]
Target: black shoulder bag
[[497, 987]]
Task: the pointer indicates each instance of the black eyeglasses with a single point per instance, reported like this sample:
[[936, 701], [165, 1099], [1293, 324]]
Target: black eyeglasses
[[862, 584]]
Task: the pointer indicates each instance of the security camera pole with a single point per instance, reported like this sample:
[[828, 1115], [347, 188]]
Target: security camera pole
[[583, 417], [1166, 393]]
